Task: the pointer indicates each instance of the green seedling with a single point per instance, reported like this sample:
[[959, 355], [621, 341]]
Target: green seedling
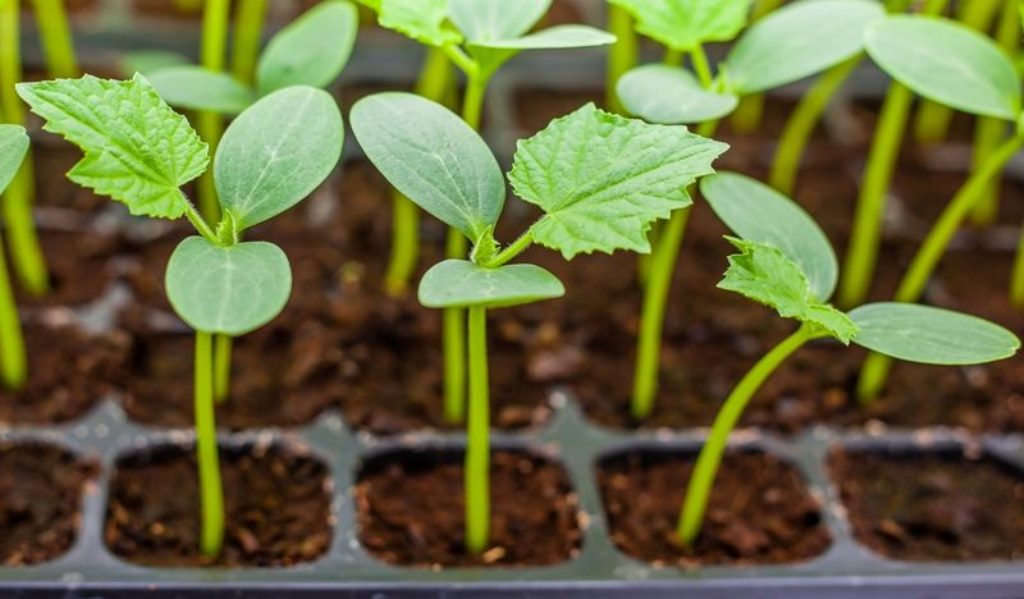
[[599, 179], [138, 151], [786, 263], [478, 36], [788, 45], [13, 363]]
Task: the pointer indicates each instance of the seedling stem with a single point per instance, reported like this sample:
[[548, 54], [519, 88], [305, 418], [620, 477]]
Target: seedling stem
[[248, 31], [55, 36], [478, 502], [210, 492], [210, 125], [622, 55]]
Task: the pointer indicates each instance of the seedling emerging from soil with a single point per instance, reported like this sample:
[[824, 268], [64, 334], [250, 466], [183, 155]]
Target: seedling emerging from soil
[[600, 179], [478, 36], [788, 45], [13, 369], [140, 152], [786, 263]]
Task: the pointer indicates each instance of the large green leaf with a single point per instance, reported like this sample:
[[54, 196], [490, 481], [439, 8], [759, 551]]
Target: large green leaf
[[13, 147], [433, 158], [197, 88], [602, 179], [763, 273], [797, 41], [460, 284], [422, 20], [312, 50], [948, 63], [277, 152], [481, 20], [758, 213], [231, 290], [683, 24], [137, 150], [668, 95], [931, 335]]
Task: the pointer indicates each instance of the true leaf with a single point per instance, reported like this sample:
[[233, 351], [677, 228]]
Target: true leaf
[[948, 63], [797, 41], [312, 50], [422, 20], [931, 335], [683, 24], [277, 152], [763, 273], [671, 96], [137, 150], [756, 212], [197, 88], [432, 157], [227, 289], [481, 20], [602, 179], [460, 284], [13, 147]]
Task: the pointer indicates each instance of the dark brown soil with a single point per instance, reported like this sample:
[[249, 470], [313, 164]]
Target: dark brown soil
[[932, 507], [69, 371], [53, 158], [759, 511], [79, 264], [411, 511], [277, 509], [40, 499]]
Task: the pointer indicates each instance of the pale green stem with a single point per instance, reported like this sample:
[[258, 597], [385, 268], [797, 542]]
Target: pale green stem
[[55, 36], [477, 475], [210, 125], [211, 494], [13, 361], [750, 112], [246, 44], [222, 367], [622, 55]]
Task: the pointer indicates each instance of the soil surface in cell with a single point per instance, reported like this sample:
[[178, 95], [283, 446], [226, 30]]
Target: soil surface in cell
[[937, 507], [79, 264], [277, 509], [411, 511], [759, 511], [40, 499]]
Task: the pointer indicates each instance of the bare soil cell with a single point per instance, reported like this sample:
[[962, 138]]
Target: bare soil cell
[[759, 511], [40, 499], [79, 264], [932, 507], [411, 510], [277, 506]]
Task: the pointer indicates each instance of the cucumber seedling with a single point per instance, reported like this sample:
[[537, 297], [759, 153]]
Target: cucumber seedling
[[600, 180], [478, 36], [788, 45], [138, 151], [786, 263], [13, 363]]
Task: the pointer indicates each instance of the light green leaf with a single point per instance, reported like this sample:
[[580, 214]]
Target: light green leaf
[[13, 147], [276, 153], [756, 212], [494, 53], [931, 335], [668, 95], [432, 157], [460, 284], [137, 150], [422, 20], [227, 289], [763, 273], [683, 24], [797, 41], [481, 20], [602, 179], [147, 61], [312, 50], [948, 63], [197, 88]]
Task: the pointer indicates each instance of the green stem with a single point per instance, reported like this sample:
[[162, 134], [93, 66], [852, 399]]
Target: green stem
[[477, 486], [221, 367], [512, 250], [622, 55], [672, 57], [211, 495], [750, 112], [875, 371], [198, 222], [701, 66], [210, 125], [703, 477], [803, 120], [656, 292], [248, 33], [13, 361], [55, 36]]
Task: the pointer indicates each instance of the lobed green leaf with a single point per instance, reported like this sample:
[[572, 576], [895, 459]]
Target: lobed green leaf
[[137, 149], [684, 24], [669, 95], [197, 88], [422, 20], [13, 147], [461, 283], [602, 179]]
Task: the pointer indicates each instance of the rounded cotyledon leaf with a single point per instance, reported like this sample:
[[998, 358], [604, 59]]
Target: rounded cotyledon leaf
[[13, 147], [197, 88], [227, 289], [670, 95], [461, 283], [930, 335]]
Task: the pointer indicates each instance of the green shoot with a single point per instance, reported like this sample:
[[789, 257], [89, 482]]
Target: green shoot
[[623, 176], [246, 44], [13, 363], [622, 55]]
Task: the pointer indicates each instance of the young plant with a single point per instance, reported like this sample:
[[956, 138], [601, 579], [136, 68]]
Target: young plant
[[13, 363], [600, 180], [788, 45], [478, 36], [138, 151], [786, 263]]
